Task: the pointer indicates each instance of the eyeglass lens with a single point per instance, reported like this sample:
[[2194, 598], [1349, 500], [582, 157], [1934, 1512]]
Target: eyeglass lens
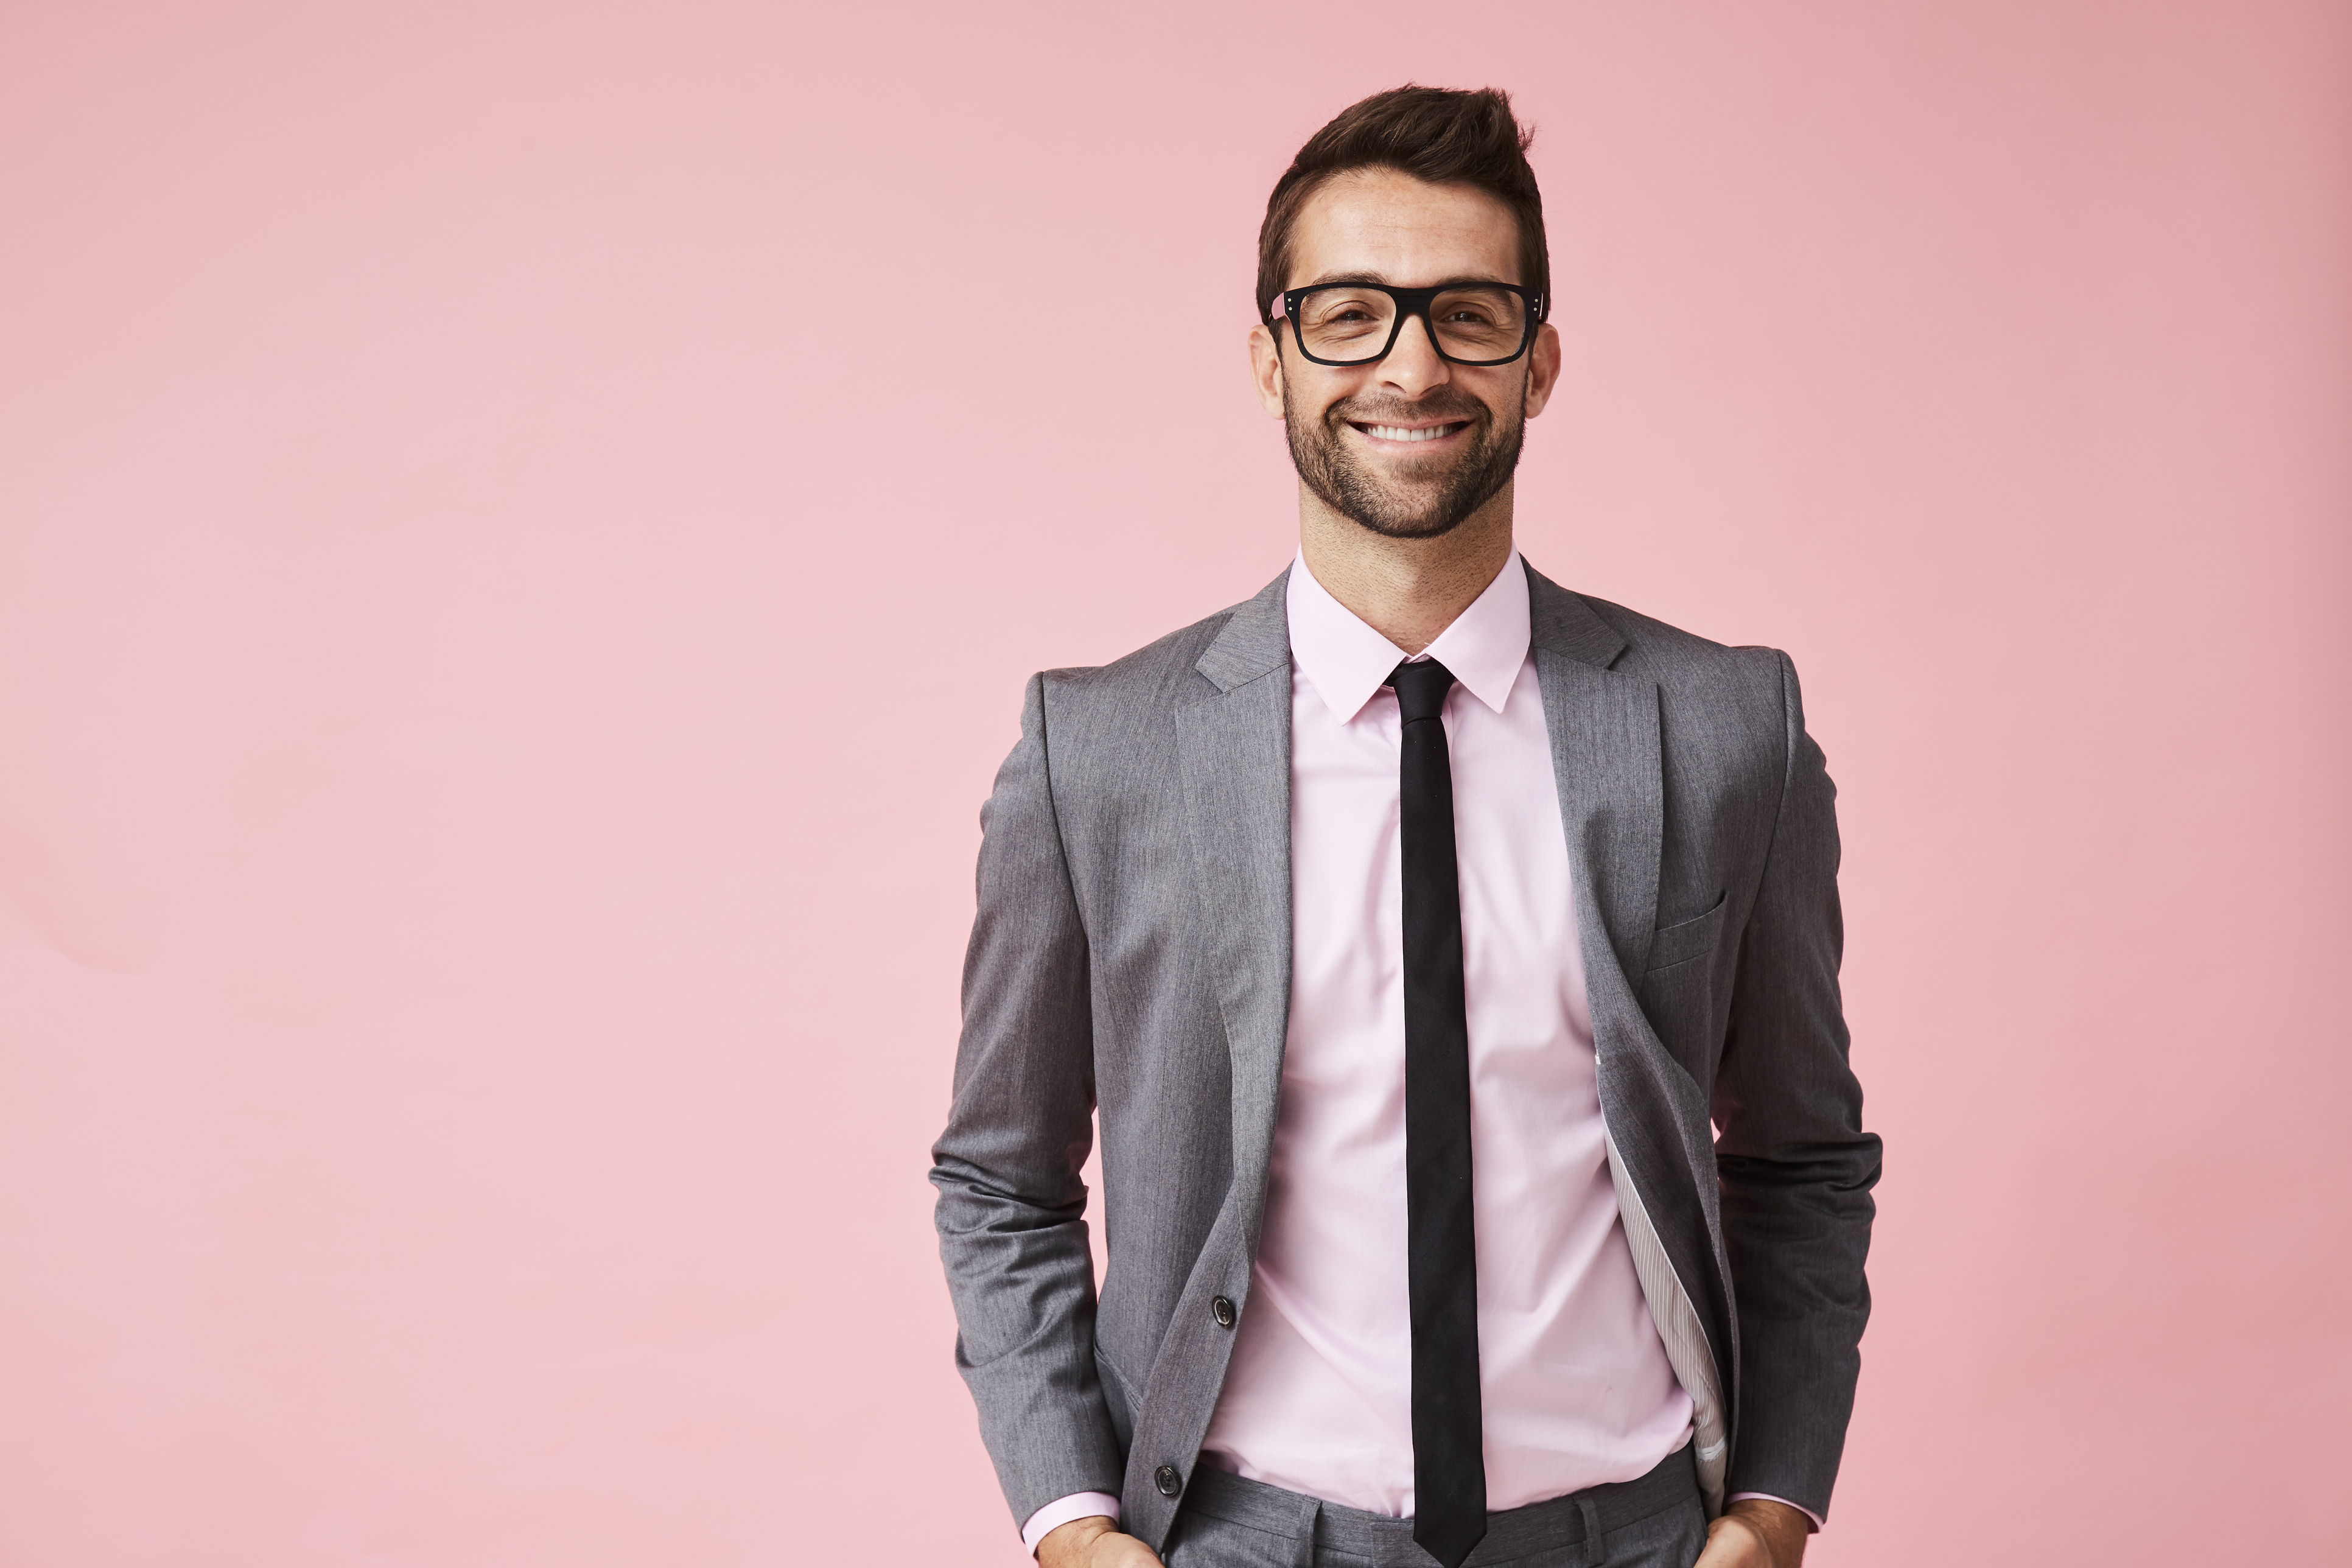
[[1347, 324]]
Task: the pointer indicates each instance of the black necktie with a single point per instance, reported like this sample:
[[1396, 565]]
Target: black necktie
[[1449, 1471]]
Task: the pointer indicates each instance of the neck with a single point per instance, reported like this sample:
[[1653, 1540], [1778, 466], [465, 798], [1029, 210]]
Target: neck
[[1408, 590]]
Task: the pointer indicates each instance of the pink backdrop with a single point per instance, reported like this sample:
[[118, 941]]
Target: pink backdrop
[[522, 528]]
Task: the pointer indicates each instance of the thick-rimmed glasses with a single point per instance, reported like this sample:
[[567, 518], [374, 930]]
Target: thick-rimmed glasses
[[1468, 323]]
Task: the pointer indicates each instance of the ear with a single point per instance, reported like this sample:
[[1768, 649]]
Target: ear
[[1265, 369], [1543, 368]]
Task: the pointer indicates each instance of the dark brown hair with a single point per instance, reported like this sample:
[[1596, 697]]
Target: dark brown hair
[[1444, 135]]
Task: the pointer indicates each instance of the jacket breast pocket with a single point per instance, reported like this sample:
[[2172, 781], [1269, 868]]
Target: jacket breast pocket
[[1677, 988], [1681, 942]]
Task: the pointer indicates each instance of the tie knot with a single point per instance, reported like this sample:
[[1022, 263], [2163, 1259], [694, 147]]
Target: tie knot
[[1421, 688]]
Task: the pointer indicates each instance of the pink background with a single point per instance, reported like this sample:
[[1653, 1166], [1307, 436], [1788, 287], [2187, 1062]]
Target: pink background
[[522, 528]]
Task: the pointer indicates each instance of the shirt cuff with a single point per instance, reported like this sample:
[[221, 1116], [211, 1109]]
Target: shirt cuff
[[1061, 1511], [1767, 1497]]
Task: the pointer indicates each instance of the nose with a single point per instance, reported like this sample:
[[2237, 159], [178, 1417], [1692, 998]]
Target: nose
[[1412, 366]]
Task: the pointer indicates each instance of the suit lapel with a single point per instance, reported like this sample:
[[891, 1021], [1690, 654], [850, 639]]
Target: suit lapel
[[1603, 726], [1233, 750], [1604, 757]]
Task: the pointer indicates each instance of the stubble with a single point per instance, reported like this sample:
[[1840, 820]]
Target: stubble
[[1424, 500]]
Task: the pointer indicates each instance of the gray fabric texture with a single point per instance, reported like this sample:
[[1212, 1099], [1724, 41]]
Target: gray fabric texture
[[1654, 1521], [1131, 954]]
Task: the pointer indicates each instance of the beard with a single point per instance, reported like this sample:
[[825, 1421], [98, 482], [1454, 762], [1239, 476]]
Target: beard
[[1418, 499]]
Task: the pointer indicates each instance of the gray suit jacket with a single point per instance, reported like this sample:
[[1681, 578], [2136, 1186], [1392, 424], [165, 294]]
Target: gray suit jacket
[[1132, 954]]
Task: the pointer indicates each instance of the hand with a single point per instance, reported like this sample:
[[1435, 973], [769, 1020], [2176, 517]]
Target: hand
[[1093, 1543], [1756, 1532]]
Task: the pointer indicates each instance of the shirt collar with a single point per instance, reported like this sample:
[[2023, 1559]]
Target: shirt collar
[[1345, 661]]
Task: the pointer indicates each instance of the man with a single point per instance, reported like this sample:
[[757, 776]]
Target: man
[[1408, 926]]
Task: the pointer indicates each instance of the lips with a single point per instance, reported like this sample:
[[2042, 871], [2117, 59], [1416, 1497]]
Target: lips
[[1410, 432]]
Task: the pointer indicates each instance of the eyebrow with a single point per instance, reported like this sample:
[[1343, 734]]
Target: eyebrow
[[1361, 275]]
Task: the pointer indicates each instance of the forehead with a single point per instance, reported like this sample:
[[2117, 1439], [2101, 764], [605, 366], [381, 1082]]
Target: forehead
[[1398, 229]]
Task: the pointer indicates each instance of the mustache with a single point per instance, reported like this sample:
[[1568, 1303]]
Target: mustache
[[1443, 403]]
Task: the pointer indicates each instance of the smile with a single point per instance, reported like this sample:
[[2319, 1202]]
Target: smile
[[1412, 433]]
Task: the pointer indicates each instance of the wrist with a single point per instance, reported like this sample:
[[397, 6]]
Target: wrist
[[1068, 1545], [1779, 1526]]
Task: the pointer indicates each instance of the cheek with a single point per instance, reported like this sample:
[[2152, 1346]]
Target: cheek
[[1309, 393], [1510, 402]]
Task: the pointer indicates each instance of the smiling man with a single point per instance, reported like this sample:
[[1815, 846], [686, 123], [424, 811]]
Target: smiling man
[[1450, 960]]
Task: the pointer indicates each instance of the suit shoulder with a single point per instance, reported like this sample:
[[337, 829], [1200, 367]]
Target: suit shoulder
[[1726, 700], [1680, 659], [1152, 675]]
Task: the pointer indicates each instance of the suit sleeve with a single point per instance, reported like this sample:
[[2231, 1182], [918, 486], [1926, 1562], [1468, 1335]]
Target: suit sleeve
[[1011, 1206], [1796, 1167]]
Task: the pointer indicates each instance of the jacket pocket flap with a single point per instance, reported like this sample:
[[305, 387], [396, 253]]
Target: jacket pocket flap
[[1691, 939]]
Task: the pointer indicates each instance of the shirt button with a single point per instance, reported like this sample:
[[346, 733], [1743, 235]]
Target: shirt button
[[1222, 1310], [1168, 1482]]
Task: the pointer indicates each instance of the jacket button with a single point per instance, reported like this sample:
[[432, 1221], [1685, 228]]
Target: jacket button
[[1168, 1482], [1222, 1310]]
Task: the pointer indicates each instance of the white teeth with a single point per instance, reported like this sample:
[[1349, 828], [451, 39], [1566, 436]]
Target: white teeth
[[1399, 433]]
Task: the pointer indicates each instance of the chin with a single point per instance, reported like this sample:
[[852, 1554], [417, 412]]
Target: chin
[[1422, 525]]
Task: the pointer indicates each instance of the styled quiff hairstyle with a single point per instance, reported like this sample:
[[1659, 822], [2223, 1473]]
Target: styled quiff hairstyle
[[1442, 135]]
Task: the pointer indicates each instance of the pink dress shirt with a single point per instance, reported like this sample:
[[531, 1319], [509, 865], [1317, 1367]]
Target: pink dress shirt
[[1319, 1396]]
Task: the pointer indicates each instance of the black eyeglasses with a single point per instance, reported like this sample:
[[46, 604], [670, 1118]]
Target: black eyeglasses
[[1468, 323]]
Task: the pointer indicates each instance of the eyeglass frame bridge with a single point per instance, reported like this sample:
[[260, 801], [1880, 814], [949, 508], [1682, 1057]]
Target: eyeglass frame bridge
[[1411, 302]]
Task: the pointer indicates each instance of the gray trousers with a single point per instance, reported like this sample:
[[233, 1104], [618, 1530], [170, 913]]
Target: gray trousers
[[1655, 1522]]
